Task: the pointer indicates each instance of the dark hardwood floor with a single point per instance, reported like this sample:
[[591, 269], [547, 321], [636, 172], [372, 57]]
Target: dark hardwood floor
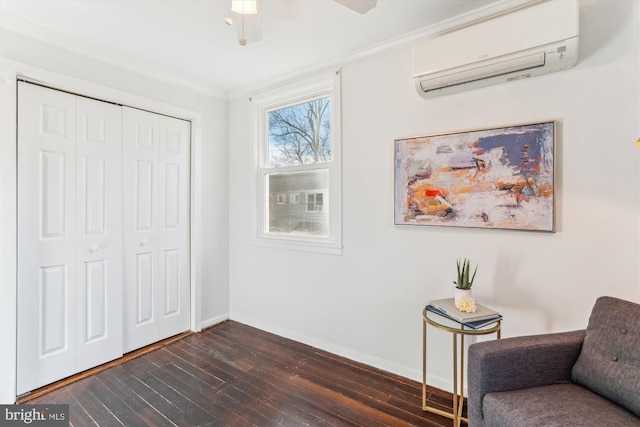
[[236, 375]]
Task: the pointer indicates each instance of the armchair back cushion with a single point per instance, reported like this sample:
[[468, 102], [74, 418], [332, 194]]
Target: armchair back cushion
[[609, 361]]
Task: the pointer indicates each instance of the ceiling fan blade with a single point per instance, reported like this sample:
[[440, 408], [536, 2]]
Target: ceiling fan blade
[[360, 6]]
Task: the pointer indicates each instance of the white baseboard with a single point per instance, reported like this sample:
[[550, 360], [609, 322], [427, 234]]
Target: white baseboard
[[214, 321]]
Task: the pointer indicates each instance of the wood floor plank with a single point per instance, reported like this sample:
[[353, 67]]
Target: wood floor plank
[[155, 400], [138, 404], [368, 386], [99, 413], [375, 379], [203, 360], [78, 416], [260, 382], [199, 391], [158, 382], [167, 358], [235, 375], [121, 410], [281, 360], [229, 396]]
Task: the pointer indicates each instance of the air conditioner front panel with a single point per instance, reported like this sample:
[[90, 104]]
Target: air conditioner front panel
[[536, 25]]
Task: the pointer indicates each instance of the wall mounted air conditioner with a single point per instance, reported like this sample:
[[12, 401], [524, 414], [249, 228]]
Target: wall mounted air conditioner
[[537, 39]]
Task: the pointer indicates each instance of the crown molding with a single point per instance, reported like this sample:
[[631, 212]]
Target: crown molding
[[40, 34]]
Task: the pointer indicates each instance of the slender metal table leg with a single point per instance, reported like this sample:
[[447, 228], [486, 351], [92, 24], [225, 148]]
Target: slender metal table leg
[[424, 364], [455, 379], [461, 401]]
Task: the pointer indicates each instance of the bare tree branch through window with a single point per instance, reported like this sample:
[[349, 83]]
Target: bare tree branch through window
[[300, 134]]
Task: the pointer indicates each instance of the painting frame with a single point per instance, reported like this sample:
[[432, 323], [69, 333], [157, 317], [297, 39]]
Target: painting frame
[[496, 178]]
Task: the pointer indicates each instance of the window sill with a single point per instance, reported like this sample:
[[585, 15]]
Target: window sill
[[293, 244]]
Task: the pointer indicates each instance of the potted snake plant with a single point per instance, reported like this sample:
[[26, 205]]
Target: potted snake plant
[[464, 282]]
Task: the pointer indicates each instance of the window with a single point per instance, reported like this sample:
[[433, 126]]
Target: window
[[298, 170], [314, 202]]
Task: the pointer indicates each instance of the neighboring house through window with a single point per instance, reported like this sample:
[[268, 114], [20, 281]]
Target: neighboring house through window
[[298, 165]]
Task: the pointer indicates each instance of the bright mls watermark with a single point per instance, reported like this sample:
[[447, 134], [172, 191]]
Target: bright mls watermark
[[34, 415]]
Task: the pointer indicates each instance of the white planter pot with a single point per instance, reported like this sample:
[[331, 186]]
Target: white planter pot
[[458, 293]]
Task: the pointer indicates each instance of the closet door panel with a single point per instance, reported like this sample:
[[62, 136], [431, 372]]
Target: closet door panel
[[173, 233], [46, 244], [140, 174], [99, 272], [156, 168]]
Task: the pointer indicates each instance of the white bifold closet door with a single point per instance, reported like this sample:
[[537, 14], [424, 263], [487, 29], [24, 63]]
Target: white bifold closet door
[[103, 232], [69, 235], [156, 223]]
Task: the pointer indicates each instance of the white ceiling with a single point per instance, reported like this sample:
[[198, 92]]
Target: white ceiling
[[189, 41]]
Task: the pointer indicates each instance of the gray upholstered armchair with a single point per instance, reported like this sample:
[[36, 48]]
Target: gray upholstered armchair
[[582, 378]]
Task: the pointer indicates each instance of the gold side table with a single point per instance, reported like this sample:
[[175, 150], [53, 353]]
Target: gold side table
[[458, 330]]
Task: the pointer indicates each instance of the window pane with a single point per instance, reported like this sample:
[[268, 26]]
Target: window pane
[[297, 202], [300, 134]]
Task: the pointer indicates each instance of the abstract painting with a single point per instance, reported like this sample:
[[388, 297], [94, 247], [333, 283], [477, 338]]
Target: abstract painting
[[493, 178]]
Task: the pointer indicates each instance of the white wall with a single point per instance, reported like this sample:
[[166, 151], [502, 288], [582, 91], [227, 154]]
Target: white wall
[[64, 69], [367, 303]]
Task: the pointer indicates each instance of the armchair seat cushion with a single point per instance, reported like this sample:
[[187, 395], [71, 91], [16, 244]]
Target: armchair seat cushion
[[558, 405]]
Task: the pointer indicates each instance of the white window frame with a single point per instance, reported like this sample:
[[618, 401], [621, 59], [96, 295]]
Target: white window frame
[[327, 84]]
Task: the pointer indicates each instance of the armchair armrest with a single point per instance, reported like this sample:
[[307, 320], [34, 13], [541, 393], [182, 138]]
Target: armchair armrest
[[517, 363]]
